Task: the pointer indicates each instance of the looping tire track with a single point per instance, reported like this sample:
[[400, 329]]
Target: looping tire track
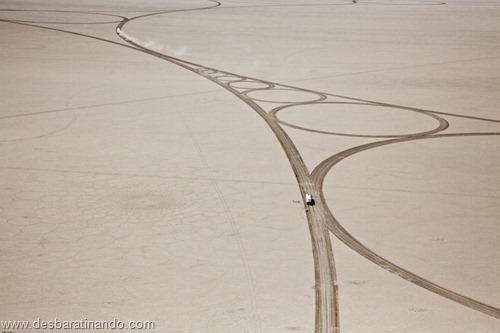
[[443, 124], [327, 308], [318, 175], [326, 290]]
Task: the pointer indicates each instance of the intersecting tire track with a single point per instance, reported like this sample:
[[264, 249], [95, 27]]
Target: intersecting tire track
[[327, 307], [318, 175], [320, 219]]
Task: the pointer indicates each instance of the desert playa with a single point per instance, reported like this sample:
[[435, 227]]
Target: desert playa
[[156, 157]]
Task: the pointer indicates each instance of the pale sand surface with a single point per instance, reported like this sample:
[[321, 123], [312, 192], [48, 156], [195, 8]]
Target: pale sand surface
[[132, 188]]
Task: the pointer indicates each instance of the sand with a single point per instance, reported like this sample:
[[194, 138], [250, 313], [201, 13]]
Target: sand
[[159, 174]]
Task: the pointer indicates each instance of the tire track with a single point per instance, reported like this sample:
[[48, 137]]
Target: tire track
[[327, 313], [326, 290], [443, 124], [318, 175]]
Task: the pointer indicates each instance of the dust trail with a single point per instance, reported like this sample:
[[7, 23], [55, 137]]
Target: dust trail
[[151, 44]]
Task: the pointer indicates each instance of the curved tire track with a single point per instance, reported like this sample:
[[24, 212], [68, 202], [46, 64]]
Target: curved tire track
[[318, 175]]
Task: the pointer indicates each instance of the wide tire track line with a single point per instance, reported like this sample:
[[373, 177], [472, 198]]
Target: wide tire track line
[[319, 174]]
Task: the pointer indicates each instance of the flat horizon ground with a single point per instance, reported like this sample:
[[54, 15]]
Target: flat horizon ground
[[155, 157]]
